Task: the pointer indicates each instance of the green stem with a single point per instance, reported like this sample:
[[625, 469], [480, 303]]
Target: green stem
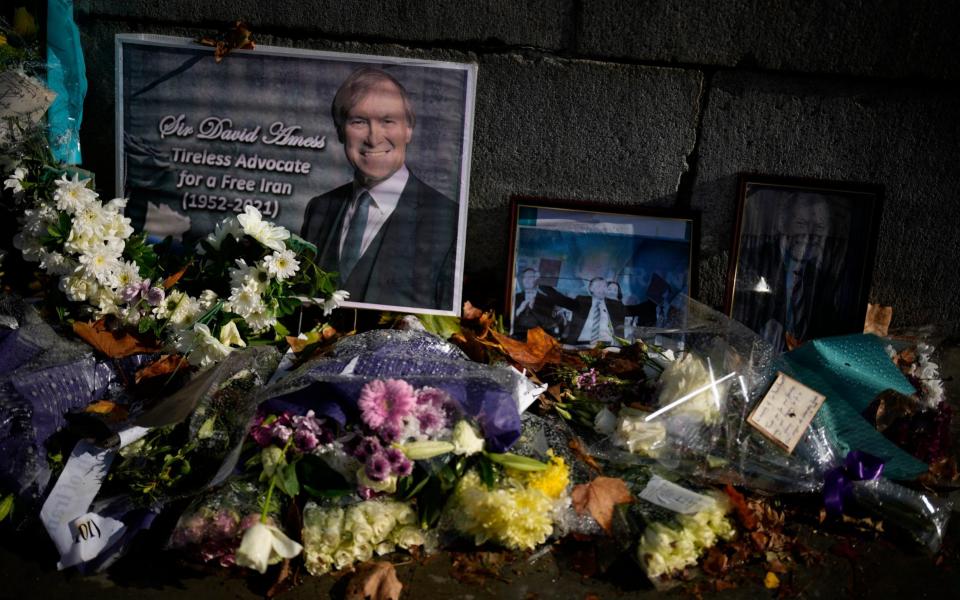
[[273, 484]]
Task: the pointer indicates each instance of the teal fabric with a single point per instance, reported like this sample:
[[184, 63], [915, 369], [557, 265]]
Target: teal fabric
[[851, 371], [66, 75]]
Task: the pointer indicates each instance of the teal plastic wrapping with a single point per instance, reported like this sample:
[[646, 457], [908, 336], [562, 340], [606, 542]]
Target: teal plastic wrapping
[[851, 371], [66, 75]]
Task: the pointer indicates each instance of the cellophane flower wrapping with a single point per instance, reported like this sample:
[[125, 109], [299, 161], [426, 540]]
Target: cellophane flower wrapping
[[211, 528], [331, 385]]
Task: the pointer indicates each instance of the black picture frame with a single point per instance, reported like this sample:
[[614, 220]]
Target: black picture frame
[[570, 244], [802, 255]]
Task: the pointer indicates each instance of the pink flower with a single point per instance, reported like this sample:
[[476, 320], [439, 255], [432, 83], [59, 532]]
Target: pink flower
[[432, 396], [430, 418], [386, 402]]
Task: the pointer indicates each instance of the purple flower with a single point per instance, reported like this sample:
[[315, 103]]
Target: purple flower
[[401, 465], [367, 447], [224, 525], [130, 293], [391, 432], [305, 440], [155, 296], [386, 402], [365, 493], [433, 397], [377, 467], [588, 379], [281, 431], [431, 418]]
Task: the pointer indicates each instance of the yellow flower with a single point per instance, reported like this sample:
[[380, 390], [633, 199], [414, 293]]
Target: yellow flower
[[3, 40], [552, 481], [24, 23], [512, 515]]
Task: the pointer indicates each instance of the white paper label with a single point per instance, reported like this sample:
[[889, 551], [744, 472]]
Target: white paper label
[[674, 497], [64, 511], [91, 534], [785, 412]]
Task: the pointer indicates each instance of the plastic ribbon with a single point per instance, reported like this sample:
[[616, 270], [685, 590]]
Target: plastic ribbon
[[857, 466]]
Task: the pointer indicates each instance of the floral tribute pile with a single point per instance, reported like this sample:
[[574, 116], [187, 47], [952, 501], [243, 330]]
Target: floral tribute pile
[[366, 445]]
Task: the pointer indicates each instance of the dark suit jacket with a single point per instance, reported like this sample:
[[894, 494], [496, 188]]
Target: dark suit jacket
[[541, 315], [618, 311], [822, 297], [410, 262]]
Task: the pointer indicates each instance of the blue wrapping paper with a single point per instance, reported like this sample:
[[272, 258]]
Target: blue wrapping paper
[[851, 371]]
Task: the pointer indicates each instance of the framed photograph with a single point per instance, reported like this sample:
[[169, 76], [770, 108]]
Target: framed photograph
[[591, 273], [367, 157], [802, 257]]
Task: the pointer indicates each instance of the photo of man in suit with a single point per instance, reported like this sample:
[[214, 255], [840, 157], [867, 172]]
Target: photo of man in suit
[[390, 236], [598, 317], [532, 307], [789, 289]]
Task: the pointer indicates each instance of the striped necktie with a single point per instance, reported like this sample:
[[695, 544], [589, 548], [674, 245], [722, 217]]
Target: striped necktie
[[595, 322]]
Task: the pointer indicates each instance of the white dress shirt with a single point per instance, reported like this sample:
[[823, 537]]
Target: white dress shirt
[[606, 330]]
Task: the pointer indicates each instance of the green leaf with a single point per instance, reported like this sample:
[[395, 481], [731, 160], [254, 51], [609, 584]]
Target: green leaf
[[319, 480], [300, 245], [516, 462], [415, 489], [430, 503], [145, 325], [443, 326], [6, 507], [287, 481], [488, 472]]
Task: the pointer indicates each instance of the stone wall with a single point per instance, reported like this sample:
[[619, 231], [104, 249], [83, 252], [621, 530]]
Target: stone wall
[[656, 102]]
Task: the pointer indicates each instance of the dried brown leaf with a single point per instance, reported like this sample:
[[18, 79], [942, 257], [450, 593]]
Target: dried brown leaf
[[172, 280], [165, 365], [374, 581], [475, 568], [743, 512], [577, 446], [113, 344], [878, 319], [540, 349], [599, 498]]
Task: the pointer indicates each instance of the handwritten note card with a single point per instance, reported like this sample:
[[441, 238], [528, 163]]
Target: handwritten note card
[[21, 97], [786, 411]]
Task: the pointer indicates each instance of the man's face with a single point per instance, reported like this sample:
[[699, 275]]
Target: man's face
[[612, 290], [806, 232], [530, 280], [376, 134], [598, 288]]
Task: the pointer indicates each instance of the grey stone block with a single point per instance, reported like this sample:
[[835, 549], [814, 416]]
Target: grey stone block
[[902, 138], [575, 130], [538, 23], [885, 38]]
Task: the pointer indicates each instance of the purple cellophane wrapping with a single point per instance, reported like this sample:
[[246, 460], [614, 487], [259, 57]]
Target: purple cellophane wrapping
[[331, 385]]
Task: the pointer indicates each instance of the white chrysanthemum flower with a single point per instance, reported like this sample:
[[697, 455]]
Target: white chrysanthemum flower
[[128, 274], [228, 226], [269, 235], [260, 321], [253, 276], [90, 220], [281, 265], [207, 299], [15, 181], [178, 308], [71, 195], [101, 264], [245, 300], [55, 263], [336, 299]]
